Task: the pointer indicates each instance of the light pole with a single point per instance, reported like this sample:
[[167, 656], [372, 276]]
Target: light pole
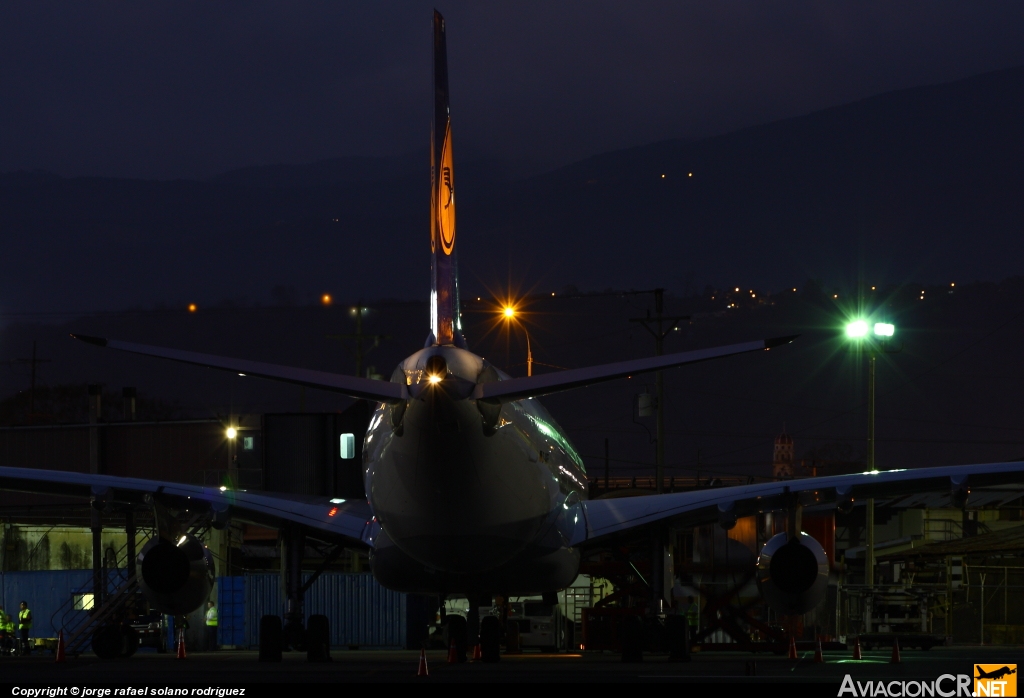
[[873, 338], [510, 313]]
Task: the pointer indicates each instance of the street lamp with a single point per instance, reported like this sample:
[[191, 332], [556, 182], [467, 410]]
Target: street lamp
[[875, 336], [510, 313]]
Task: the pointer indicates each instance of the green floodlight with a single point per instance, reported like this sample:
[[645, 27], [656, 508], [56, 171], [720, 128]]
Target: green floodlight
[[857, 329], [884, 329]]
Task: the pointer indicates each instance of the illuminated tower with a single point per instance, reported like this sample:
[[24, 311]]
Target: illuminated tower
[[782, 463]]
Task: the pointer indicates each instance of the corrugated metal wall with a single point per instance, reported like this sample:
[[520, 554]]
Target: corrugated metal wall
[[361, 611]]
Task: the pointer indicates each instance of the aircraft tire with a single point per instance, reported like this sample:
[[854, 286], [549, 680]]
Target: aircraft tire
[[271, 639], [129, 641], [490, 639], [318, 639], [456, 628], [107, 642]]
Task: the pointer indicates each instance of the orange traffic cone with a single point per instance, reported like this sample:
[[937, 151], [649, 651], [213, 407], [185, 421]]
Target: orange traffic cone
[[895, 652], [181, 644], [856, 649], [453, 653], [476, 653], [422, 669], [819, 658], [60, 646], [792, 647]]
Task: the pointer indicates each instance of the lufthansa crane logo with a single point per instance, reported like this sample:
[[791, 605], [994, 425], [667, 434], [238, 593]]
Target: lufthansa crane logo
[[446, 197]]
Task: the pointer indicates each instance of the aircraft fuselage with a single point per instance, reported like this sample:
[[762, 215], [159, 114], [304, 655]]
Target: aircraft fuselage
[[470, 497]]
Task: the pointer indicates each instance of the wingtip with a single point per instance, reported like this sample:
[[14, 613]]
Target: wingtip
[[779, 341], [98, 341]]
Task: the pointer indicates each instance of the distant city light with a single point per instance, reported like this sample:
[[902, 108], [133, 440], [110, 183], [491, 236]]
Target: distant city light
[[737, 289], [835, 295], [794, 290], [690, 174], [191, 307], [325, 299], [663, 176], [872, 288], [952, 284]]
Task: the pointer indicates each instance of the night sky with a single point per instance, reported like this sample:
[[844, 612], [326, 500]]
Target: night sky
[[189, 89]]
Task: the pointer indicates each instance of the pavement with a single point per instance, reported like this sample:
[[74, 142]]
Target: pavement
[[242, 668]]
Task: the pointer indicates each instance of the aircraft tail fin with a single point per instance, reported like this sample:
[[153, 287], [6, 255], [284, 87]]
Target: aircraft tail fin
[[445, 319]]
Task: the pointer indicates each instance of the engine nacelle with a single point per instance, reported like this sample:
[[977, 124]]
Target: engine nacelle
[[792, 574], [176, 577]]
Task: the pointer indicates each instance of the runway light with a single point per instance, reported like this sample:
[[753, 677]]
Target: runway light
[[223, 488], [232, 432], [191, 307], [857, 329], [884, 329], [333, 511], [337, 501]]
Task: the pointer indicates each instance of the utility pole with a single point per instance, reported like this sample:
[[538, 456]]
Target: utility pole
[[358, 336], [869, 510], [32, 382], [656, 326]]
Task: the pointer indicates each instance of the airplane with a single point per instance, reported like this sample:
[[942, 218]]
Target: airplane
[[995, 673], [471, 486]]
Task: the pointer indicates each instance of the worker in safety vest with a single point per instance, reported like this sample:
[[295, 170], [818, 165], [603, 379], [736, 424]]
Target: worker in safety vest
[[6, 635], [24, 626], [211, 626], [692, 611]]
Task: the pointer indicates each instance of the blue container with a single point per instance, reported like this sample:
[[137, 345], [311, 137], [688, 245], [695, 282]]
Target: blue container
[[360, 611], [231, 611], [47, 592]]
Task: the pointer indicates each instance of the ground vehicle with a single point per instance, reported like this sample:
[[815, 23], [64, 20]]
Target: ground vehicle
[[152, 631], [541, 625]]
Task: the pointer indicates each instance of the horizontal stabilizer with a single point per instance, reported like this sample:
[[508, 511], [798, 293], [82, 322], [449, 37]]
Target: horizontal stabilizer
[[535, 386], [381, 391]]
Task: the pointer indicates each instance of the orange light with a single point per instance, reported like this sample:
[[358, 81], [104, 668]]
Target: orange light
[[333, 511], [434, 378], [509, 311], [191, 307], [325, 299]]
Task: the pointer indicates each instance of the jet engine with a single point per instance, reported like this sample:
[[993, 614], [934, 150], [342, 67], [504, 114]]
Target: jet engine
[[792, 573], [176, 577]]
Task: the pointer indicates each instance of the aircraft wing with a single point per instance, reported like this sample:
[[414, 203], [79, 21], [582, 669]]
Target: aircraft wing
[[351, 519], [535, 386], [604, 517], [380, 391]]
